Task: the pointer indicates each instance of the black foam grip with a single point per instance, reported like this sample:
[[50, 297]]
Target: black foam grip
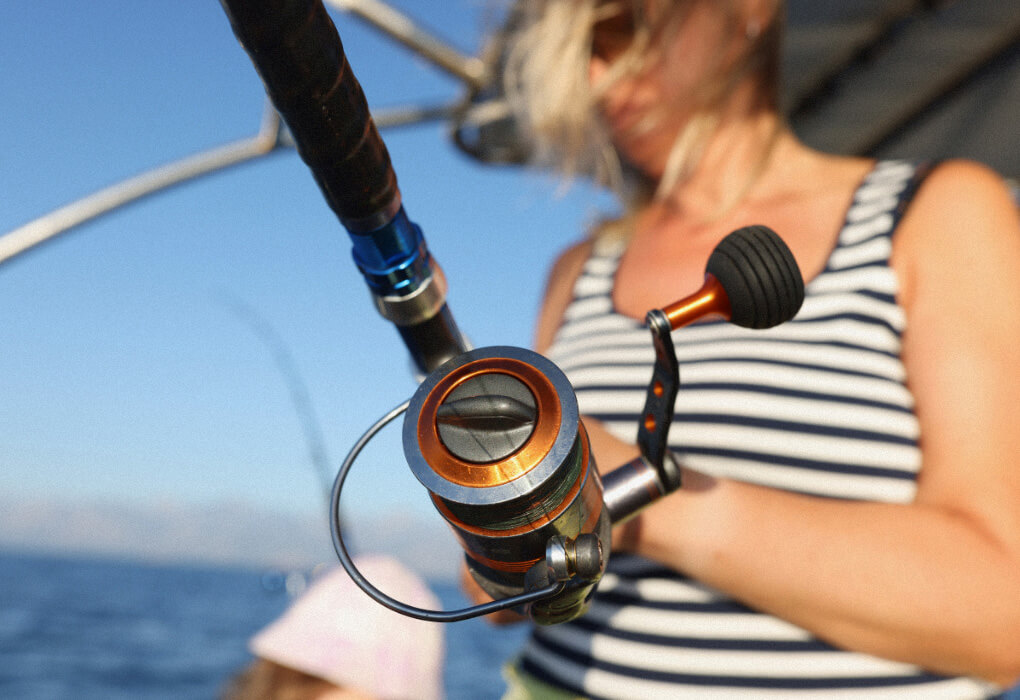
[[760, 276], [297, 52]]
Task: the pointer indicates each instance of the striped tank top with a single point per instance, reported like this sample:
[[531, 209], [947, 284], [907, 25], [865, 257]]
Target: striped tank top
[[818, 405]]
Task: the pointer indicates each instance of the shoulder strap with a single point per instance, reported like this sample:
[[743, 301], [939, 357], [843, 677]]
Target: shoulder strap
[[881, 199], [921, 171]]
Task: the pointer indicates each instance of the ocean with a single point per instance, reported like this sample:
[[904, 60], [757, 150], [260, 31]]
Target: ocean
[[91, 629]]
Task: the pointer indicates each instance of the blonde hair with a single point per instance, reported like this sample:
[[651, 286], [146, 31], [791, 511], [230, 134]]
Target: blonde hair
[[546, 49]]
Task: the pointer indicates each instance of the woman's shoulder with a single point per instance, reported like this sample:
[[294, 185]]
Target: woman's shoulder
[[570, 260], [965, 183], [961, 202], [559, 290], [963, 215]]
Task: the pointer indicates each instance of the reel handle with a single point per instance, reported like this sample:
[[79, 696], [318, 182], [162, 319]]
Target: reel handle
[[751, 280]]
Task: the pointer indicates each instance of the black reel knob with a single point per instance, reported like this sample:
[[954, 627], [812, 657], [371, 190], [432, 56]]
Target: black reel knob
[[760, 276]]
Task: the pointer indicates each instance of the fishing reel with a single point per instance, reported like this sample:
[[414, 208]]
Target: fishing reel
[[495, 436]]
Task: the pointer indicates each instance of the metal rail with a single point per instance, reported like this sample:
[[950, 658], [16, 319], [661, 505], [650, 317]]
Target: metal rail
[[271, 137], [469, 69]]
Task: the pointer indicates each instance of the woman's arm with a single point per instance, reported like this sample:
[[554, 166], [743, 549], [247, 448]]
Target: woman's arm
[[935, 582]]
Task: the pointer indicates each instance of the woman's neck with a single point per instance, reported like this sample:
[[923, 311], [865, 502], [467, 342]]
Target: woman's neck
[[731, 166]]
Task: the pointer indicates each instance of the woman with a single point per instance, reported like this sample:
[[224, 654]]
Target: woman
[[849, 523]]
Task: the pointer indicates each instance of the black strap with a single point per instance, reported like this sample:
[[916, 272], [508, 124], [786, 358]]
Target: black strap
[[921, 172]]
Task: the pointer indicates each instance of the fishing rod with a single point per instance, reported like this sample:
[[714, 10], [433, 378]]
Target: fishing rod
[[494, 434], [297, 52]]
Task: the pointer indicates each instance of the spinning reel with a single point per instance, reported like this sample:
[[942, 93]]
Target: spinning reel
[[495, 436]]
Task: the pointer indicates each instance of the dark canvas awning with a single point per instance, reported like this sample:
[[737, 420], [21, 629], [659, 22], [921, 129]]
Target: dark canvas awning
[[906, 78], [917, 79]]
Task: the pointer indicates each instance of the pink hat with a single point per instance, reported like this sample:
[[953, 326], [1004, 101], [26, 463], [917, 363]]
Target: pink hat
[[336, 632]]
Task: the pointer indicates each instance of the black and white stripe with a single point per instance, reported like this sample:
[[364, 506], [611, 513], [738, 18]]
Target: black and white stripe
[[818, 405]]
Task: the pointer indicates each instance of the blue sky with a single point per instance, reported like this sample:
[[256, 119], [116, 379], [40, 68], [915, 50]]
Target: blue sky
[[124, 372]]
